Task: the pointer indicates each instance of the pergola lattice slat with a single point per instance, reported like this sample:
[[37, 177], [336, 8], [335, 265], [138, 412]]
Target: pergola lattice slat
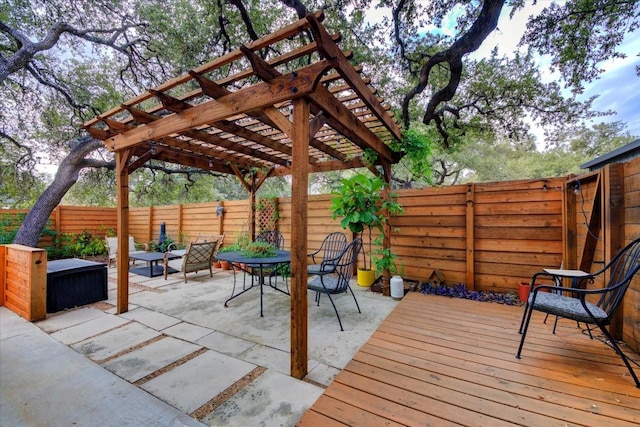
[[280, 105]]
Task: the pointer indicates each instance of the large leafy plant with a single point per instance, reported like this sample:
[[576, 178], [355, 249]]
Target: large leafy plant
[[359, 201]]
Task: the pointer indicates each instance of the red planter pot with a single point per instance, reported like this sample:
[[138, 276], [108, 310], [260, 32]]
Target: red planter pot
[[523, 291]]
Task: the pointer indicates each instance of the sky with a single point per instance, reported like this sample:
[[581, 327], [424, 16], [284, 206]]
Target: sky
[[618, 88]]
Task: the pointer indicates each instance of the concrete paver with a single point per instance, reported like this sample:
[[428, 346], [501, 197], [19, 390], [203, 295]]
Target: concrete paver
[[181, 346], [274, 399], [268, 357], [115, 341], [194, 383], [151, 358], [88, 329], [322, 374], [45, 383], [187, 331], [225, 343], [71, 318], [152, 319]]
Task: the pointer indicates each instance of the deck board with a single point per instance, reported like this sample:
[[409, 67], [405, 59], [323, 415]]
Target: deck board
[[438, 361]]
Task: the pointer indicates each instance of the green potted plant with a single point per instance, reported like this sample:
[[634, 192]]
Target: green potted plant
[[359, 201], [259, 250]]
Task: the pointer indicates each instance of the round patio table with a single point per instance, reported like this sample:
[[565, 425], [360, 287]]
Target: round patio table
[[251, 264]]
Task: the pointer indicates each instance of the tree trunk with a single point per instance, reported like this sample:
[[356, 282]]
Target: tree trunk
[[67, 175]]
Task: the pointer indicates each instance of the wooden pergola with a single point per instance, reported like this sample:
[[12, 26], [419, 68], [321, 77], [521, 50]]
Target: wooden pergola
[[289, 103]]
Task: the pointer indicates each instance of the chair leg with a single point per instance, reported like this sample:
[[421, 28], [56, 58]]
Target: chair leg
[[524, 315], [336, 310], [526, 318], [354, 298], [620, 353]]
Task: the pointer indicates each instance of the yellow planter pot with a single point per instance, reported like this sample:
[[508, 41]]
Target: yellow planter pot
[[366, 277]]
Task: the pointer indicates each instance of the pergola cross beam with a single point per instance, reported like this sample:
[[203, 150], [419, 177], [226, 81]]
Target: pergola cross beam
[[302, 108]]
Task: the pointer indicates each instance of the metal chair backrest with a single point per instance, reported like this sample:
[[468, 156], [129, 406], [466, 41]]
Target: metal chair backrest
[[273, 237], [621, 270], [346, 264], [332, 246]]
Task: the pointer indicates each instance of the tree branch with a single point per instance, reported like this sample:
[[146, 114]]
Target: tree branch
[[300, 8], [27, 49], [470, 41], [245, 18]]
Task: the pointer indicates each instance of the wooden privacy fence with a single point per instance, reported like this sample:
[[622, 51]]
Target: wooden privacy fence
[[490, 236], [68, 219]]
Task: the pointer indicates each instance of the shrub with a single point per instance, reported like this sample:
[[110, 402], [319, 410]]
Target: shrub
[[461, 291]]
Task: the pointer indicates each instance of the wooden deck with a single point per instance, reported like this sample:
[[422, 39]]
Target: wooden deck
[[437, 361]]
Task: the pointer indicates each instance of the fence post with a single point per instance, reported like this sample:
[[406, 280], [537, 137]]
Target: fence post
[[614, 228], [471, 201]]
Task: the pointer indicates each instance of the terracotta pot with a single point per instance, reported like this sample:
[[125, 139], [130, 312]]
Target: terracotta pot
[[523, 291], [225, 265], [217, 264]]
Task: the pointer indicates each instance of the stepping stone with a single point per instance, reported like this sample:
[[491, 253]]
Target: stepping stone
[[115, 341], [150, 358], [273, 399], [88, 329], [194, 383]]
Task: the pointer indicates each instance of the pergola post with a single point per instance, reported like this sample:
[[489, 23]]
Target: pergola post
[[299, 196], [240, 125], [252, 204], [122, 259]]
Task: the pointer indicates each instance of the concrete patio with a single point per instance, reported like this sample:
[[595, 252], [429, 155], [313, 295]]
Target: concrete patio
[[177, 357]]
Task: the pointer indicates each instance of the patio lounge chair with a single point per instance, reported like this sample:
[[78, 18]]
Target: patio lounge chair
[[199, 256], [199, 239], [338, 281], [573, 303], [324, 259], [112, 246]]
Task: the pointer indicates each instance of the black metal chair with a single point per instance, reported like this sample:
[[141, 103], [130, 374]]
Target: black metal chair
[[572, 302], [324, 259], [338, 281], [273, 237]]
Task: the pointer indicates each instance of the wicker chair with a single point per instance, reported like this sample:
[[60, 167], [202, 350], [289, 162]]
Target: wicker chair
[[199, 256]]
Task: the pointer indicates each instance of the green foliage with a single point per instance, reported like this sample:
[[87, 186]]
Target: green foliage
[[259, 250], [162, 246], [359, 202], [369, 156], [386, 260], [83, 245], [20, 187], [494, 97], [416, 143], [241, 243], [580, 34], [268, 205], [9, 225]]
